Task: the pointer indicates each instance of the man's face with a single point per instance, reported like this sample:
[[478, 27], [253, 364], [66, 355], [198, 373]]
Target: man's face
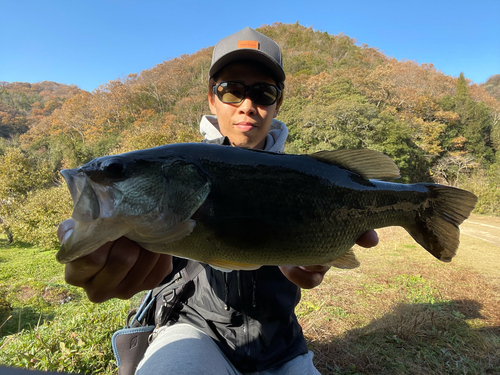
[[245, 124]]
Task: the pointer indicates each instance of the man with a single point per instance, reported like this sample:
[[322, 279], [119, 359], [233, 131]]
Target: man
[[237, 322]]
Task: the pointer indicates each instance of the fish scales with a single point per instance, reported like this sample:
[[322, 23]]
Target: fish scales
[[241, 209]]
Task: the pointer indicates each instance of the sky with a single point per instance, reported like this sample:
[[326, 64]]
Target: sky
[[88, 43]]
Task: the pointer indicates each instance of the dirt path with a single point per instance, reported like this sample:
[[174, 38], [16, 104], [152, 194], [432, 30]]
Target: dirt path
[[480, 246], [484, 228]]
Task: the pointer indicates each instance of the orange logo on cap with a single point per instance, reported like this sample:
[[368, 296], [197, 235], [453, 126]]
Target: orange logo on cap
[[248, 44]]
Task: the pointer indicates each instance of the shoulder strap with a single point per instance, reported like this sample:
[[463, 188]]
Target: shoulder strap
[[169, 300], [143, 314], [186, 274]]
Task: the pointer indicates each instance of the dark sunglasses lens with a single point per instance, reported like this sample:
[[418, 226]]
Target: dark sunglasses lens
[[230, 92], [233, 92], [264, 94]]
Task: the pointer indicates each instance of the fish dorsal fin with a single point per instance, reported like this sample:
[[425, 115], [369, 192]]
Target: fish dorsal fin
[[370, 164], [346, 261]]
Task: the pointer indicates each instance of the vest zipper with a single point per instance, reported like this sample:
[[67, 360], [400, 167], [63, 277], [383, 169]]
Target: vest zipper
[[246, 325], [226, 291]]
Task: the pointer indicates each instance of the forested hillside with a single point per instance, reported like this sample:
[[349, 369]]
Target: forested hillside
[[22, 105], [338, 95]]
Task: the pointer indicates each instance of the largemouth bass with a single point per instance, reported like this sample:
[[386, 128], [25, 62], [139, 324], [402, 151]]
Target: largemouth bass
[[241, 209]]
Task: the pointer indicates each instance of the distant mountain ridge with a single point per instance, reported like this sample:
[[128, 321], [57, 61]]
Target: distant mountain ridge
[[47, 89], [329, 78], [307, 53], [492, 86]]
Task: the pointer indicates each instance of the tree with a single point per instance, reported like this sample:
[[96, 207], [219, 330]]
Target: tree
[[461, 91], [156, 131], [474, 125], [448, 170]]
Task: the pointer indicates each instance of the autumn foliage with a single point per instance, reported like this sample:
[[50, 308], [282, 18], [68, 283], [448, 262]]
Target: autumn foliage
[[338, 95]]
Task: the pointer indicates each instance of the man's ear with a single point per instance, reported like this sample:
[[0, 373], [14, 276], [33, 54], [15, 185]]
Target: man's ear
[[211, 103], [278, 105], [276, 111]]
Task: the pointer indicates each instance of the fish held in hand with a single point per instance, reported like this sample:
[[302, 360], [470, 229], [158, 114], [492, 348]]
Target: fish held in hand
[[241, 209]]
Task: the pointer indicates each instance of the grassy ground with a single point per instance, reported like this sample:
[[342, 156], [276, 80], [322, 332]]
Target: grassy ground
[[401, 312], [47, 324], [404, 312]]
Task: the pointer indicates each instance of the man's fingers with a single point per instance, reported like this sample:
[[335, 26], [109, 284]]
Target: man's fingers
[[118, 269], [304, 277], [80, 271], [122, 256], [162, 268], [368, 239], [147, 272]]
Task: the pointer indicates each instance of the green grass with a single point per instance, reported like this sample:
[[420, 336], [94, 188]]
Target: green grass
[[49, 325], [76, 339]]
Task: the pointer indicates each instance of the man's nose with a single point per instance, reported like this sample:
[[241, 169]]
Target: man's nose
[[247, 105]]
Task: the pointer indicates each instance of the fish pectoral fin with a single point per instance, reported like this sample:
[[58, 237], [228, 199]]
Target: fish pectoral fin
[[188, 187], [370, 164], [178, 232], [346, 261], [228, 266]]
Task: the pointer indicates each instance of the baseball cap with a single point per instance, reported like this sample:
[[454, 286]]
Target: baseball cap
[[248, 44]]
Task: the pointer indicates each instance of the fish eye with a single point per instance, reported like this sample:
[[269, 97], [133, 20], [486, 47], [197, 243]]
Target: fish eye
[[113, 167]]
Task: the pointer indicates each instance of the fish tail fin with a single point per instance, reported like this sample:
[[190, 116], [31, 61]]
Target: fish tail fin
[[437, 227]]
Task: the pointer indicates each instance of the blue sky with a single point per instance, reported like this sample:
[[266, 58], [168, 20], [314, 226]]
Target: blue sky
[[91, 42]]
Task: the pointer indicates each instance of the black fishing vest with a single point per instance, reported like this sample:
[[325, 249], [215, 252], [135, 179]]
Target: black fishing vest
[[249, 314]]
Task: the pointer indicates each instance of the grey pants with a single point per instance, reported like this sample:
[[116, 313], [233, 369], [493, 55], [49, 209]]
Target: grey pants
[[183, 349]]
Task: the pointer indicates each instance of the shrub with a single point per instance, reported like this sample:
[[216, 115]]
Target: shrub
[[484, 183], [36, 219]]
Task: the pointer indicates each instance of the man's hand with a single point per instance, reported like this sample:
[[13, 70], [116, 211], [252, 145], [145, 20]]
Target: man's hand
[[368, 239], [311, 276], [305, 277], [118, 269]]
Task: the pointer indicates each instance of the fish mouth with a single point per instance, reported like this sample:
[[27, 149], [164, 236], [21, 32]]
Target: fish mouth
[[79, 239], [92, 206], [85, 201], [65, 230]]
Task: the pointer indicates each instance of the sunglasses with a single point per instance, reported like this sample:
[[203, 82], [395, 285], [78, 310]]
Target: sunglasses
[[235, 92]]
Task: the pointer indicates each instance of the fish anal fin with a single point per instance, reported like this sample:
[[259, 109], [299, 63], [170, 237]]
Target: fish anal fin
[[228, 266], [346, 261], [370, 164]]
